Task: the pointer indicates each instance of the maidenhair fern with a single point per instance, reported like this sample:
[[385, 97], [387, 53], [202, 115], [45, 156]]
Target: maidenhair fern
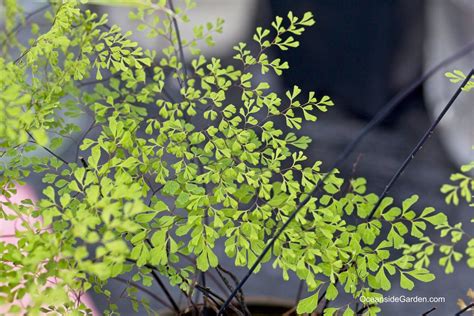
[[163, 183]]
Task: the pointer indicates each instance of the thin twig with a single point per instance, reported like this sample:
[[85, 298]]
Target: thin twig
[[165, 290], [154, 192], [144, 290], [207, 291], [420, 144], [363, 309], [46, 148], [160, 284], [180, 44], [240, 295], [207, 298], [211, 276], [203, 281], [225, 281], [34, 44], [79, 142], [429, 311], [465, 309]]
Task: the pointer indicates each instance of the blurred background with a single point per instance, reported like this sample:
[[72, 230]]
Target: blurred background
[[361, 53]]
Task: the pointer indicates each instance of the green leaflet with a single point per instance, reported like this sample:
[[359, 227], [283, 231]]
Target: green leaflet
[[308, 305]]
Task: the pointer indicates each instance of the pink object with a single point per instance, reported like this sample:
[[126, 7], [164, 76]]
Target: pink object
[[8, 230]]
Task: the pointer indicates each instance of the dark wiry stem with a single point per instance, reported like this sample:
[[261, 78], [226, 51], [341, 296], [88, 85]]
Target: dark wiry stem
[[144, 290], [429, 311], [161, 285], [180, 44], [47, 149], [420, 144], [79, 143], [465, 309], [207, 291], [165, 290], [363, 309], [240, 296]]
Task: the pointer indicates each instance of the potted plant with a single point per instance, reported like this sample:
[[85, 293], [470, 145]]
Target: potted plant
[[162, 174]]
